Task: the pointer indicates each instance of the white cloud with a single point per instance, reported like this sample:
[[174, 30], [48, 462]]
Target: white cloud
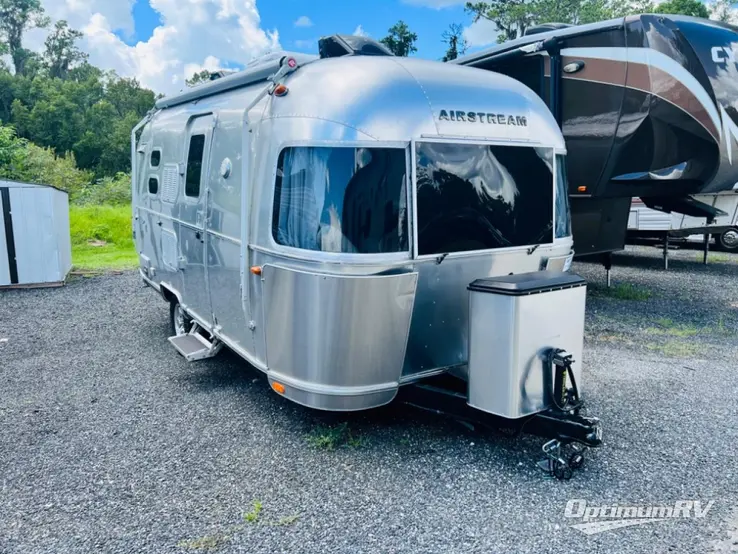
[[359, 31], [304, 21], [194, 34], [481, 33], [435, 4]]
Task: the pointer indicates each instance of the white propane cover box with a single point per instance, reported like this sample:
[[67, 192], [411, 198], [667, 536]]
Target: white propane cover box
[[514, 321], [35, 245]]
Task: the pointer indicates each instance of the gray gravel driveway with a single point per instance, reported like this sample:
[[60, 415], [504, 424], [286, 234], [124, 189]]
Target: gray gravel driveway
[[111, 442]]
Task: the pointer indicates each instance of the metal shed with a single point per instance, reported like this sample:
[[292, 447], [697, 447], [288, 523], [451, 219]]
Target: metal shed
[[35, 245]]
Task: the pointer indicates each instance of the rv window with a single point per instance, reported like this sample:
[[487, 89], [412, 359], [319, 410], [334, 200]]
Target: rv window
[[155, 158], [477, 197], [350, 200], [153, 185], [563, 215], [194, 165]]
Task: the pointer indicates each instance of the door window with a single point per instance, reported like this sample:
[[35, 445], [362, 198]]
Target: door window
[[194, 166]]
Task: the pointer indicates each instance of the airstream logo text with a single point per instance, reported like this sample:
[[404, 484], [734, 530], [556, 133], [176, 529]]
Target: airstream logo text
[[483, 117]]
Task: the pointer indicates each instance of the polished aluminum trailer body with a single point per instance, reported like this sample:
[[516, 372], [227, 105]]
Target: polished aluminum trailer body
[[336, 329]]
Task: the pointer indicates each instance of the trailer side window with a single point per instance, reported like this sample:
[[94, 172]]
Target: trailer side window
[[194, 165], [155, 158], [480, 197], [153, 185], [350, 200]]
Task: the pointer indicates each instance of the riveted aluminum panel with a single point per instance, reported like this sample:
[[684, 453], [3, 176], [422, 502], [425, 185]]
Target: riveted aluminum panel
[[337, 335]]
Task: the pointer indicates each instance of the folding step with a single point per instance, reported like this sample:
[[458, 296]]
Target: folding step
[[193, 346]]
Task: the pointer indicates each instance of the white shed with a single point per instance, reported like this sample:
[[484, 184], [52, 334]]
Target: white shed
[[35, 246]]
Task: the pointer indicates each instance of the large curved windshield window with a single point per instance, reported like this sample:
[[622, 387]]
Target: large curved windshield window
[[480, 197], [563, 215], [350, 200]]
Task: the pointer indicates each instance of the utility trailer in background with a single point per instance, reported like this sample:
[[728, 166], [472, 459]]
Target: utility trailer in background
[[649, 223], [35, 245]]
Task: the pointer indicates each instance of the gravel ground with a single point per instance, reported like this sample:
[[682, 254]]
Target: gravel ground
[[111, 442]]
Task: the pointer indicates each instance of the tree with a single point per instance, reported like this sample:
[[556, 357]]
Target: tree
[[400, 40], [722, 10], [198, 78], [61, 52], [511, 17], [457, 44], [694, 8], [16, 17]]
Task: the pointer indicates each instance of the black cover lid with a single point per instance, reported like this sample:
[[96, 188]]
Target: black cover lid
[[528, 283]]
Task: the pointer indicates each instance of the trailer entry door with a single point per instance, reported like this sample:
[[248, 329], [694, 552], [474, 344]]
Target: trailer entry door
[[193, 197]]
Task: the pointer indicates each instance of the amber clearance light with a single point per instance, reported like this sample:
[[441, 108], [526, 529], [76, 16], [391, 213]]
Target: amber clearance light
[[278, 387], [280, 90]]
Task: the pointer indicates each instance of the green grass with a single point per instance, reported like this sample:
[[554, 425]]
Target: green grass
[[205, 544], [109, 226], [668, 328], [622, 291], [330, 438], [253, 515], [676, 349]]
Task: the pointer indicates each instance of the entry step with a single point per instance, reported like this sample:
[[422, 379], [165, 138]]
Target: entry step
[[194, 346]]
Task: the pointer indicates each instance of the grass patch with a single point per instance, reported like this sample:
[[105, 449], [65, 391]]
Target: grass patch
[[205, 544], [102, 238], [676, 349], [667, 327], [253, 515], [622, 291], [713, 257], [330, 438]]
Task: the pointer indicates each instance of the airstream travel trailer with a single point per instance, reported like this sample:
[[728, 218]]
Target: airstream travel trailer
[[647, 105], [357, 223]]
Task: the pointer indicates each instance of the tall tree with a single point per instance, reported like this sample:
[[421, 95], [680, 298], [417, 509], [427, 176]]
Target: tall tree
[[457, 44], [511, 17], [400, 40], [694, 8], [16, 17], [722, 10], [197, 78], [61, 52]]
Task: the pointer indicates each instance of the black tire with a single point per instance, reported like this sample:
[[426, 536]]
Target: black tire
[[728, 240], [187, 322]]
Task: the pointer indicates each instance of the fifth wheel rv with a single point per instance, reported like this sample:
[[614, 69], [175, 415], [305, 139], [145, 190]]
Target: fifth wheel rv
[[647, 105], [339, 224]]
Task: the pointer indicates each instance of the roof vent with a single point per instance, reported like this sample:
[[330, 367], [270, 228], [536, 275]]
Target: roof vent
[[336, 46], [545, 28]]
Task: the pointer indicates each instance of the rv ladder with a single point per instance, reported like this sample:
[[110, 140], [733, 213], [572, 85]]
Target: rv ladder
[[194, 346]]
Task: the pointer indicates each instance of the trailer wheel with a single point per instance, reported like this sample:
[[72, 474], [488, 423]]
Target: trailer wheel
[[179, 322], [728, 240]]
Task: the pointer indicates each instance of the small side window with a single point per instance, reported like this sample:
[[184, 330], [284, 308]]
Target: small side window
[[153, 185], [194, 166], [155, 158]]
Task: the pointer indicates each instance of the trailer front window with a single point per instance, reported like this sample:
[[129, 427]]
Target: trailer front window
[[481, 197], [350, 200], [563, 214]]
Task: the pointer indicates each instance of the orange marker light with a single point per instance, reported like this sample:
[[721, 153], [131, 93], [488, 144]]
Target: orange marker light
[[278, 387], [582, 189], [256, 270], [280, 90]]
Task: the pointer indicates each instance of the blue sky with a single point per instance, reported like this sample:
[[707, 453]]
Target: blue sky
[[163, 42], [301, 22]]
